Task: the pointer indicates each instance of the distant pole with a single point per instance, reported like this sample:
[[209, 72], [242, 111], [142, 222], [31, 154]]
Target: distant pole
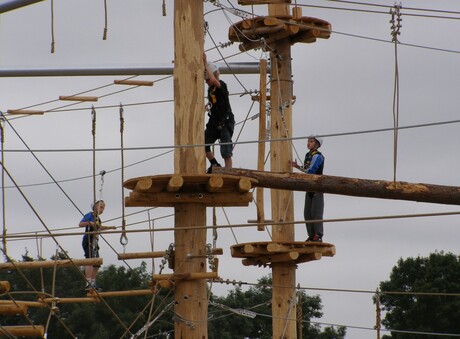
[[191, 303], [283, 274]]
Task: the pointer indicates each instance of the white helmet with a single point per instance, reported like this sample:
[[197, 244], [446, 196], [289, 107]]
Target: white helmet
[[213, 68], [317, 138]]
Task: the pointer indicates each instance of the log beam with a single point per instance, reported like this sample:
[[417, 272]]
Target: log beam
[[158, 254], [13, 309], [51, 263], [420, 192], [23, 331]]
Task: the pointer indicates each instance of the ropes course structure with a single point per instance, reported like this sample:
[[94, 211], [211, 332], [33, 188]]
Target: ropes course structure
[[188, 187]]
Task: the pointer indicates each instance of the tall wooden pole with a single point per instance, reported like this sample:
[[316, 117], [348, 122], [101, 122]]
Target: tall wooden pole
[[283, 274], [190, 295]]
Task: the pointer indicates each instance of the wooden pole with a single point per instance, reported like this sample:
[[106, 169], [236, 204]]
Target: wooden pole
[[283, 274], [449, 195], [262, 138], [191, 307], [50, 263]]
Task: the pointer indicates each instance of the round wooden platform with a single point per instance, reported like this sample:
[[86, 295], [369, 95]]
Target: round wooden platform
[[270, 29], [171, 189], [266, 253]]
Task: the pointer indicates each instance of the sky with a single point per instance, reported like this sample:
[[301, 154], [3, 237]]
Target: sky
[[342, 85]]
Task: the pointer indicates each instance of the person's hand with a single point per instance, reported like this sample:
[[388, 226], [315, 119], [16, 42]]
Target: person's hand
[[293, 163]]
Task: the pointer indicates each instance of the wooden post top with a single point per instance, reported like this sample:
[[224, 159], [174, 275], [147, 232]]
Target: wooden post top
[[267, 253], [168, 190], [263, 31]]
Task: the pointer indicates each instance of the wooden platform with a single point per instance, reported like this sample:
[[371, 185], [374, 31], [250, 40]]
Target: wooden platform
[[295, 28], [266, 253], [167, 190]]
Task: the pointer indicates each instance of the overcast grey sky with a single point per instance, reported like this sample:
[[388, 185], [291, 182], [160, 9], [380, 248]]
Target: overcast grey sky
[[343, 84]]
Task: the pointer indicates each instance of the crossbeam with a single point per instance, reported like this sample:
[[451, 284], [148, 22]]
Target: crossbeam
[[23, 331], [51, 263], [157, 254], [399, 190]]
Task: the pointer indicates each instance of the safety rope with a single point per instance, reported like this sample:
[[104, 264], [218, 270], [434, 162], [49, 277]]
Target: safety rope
[[52, 26], [4, 232], [214, 228], [104, 36], [152, 238], [93, 132], [395, 31], [123, 236], [163, 7]]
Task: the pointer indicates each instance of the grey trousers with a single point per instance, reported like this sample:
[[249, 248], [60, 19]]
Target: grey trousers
[[313, 210]]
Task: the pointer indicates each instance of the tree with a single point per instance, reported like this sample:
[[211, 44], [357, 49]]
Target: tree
[[438, 273], [225, 324]]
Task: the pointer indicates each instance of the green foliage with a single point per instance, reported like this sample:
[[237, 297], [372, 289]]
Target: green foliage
[[96, 320], [225, 324], [438, 273], [85, 320]]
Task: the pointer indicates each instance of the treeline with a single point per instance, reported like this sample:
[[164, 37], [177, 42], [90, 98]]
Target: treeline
[[121, 316]]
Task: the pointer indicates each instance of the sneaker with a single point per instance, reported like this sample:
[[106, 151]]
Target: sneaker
[[315, 238], [318, 238], [209, 171]]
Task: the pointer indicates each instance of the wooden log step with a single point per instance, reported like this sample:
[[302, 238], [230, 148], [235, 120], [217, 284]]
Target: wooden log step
[[27, 303], [77, 98], [129, 293], [69, 300], [133, 82], [51, 263], [23, 331], [13, 309], [262, 2], [158, 254], [25, 112]]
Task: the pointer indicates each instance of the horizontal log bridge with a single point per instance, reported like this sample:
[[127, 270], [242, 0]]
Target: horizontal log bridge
[[437, 194], [51, 263], [158, 254], [266, 253], [23, 331], [186, 276]]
